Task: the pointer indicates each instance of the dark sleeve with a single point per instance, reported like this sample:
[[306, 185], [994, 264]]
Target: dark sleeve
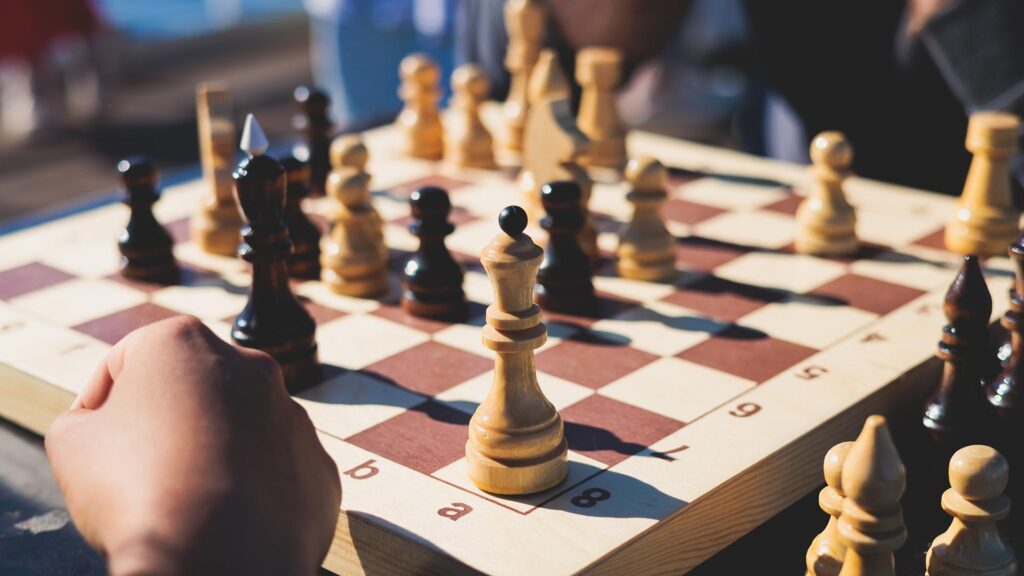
[[978, 46]]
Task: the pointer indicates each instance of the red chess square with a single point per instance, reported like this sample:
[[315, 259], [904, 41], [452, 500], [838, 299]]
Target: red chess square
[[29, 278], [686, 212], [431, 367], [112, 328], [722, 299], [787, 205], [705, 254], [320, 313], [591, 359], [610, 431], [404, 190], [746, 353], [936, 240], [868, 294], [426, 437]]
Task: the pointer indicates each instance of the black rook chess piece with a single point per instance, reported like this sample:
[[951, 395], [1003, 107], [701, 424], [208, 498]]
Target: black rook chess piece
[[146, 248], [314, 124], [955, 413], [304, 261], [431, 279], [564, 281], [272, 320]]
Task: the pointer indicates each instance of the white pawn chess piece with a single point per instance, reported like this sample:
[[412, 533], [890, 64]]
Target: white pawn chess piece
[[826, 223]]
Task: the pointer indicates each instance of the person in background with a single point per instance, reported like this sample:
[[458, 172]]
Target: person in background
[[356, 47], [899, 78], [48, 69]]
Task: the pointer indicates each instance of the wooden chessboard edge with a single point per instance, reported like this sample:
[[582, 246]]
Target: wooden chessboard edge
[[367, 546], [684, 540], [30, 402]]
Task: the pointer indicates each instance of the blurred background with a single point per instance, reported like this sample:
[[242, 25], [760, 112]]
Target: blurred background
[[84, 83]]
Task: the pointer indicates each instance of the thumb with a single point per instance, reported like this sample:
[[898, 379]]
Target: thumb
[[63, 442]]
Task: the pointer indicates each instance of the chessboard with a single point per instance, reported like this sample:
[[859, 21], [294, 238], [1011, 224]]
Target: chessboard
[[694, 410]]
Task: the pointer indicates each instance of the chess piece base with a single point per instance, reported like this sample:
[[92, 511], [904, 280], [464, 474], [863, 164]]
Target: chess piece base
[[825, 246], [297, 356], [453, 309], [962, 238], [657, 271], [217, 231], [578, 304], [373, 284], [161, 270], [517, 476]]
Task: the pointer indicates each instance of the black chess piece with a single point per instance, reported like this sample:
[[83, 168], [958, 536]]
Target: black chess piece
[[955, 414], [564, 282], [304, 261], [147, 250], [273, 320], [1003, 392], [314, 124], [432, 279]]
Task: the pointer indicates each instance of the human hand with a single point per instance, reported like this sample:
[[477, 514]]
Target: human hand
[[185, 455]]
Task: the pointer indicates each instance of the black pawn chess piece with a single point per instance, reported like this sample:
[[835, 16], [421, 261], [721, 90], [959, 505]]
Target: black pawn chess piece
[[955, 413], [273, 320], [314, 124], [564, 281], [147, 250], [432, 279], [304, 261], [1003, 392]]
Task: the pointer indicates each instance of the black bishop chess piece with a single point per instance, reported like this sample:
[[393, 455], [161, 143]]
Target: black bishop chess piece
[[314, 125], [432, 279], [564, 282], [304, 261], [955, 413], [1003, 392], [273, 320], [147, 250]]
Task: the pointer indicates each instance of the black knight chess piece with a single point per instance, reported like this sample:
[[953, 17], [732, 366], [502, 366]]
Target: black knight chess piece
[[304, 261], [147, 250], [273, 320], [432, 279], [955, 413], [564, 282]]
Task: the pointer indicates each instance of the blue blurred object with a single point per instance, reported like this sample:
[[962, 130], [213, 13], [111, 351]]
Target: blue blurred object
[[357, 46], [163, 19]]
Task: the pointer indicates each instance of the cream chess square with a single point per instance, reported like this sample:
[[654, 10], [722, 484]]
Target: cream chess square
[[755, 229], [919, 268], [87, 259], [793, 272], [677, 388], [357, 341], [660, 328], [77, 301], [729, 195], [808, 321], [210, 302], [354, 402]]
